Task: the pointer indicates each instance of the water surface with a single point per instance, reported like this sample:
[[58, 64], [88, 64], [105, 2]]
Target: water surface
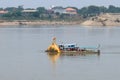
[[22, 55]]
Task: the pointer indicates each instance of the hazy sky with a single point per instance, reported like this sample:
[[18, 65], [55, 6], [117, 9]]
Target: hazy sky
[[64, 3]]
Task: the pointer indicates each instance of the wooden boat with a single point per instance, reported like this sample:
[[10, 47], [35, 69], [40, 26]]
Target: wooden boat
[[71, 49]]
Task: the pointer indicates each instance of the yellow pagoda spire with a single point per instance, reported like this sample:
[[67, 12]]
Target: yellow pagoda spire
[[53, 47]]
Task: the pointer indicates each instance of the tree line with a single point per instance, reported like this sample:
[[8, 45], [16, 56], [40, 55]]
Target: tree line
[[96, 10], [16, 12]]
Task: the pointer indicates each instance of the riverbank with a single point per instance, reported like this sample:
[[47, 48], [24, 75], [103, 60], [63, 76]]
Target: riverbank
[[38, 22], [108, 19]]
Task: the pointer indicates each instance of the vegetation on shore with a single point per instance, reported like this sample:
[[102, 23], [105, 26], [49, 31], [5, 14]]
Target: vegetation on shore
[[91, 11], [15, 13]]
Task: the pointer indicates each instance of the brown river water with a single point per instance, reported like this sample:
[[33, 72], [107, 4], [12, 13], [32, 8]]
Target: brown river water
[[22, 55]]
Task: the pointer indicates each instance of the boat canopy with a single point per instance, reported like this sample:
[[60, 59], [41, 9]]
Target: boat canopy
[[68, 45]]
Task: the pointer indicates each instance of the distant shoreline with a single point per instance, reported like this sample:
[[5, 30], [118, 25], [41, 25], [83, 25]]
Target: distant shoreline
[[38, 22], [108, 19]]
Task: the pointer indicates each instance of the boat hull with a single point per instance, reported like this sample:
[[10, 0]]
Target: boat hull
[[75, 53]]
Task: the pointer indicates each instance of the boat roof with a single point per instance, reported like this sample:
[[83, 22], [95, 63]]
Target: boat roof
[[68, 44]]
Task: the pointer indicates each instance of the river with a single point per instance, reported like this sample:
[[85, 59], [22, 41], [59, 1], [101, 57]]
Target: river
[[22, 55]]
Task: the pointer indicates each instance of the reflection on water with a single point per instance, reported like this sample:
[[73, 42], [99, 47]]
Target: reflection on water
[[53, 57]]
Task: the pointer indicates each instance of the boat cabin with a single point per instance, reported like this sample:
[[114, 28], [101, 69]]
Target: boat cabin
[[68, 47]]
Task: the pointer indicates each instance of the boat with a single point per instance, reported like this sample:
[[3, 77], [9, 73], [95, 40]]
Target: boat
[[71, 49]]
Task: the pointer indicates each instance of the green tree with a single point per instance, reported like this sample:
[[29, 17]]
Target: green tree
[[36, 14], [11, 9], [83, 10], [93, 10], [113, 9], [103, 9], [41, 10], [1, 9], [13, 12]]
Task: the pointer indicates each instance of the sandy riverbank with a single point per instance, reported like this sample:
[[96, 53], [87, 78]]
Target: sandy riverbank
[[24, 22], [108, 19]]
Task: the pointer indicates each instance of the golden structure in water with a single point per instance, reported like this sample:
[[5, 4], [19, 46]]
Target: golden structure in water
[[53, 47]]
